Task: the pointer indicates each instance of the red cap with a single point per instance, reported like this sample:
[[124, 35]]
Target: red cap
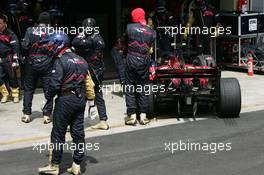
[[138, 16]]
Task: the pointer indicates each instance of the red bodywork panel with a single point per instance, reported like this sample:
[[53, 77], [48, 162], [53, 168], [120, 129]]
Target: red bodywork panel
[[178, 72]]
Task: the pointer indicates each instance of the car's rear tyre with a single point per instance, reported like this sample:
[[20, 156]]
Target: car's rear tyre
[[229, 98], [204, 60]]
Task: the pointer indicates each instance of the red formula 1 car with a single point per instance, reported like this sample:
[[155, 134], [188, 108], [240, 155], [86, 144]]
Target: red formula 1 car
[[193, 82]]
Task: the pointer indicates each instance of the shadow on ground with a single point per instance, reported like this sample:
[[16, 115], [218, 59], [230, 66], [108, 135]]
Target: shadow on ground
[[36, 115], [170, 110], [67, 162]]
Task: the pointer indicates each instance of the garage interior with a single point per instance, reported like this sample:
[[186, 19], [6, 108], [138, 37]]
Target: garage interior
[[113, 15]]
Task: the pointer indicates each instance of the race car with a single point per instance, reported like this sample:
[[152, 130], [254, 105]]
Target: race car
[[191, 82]]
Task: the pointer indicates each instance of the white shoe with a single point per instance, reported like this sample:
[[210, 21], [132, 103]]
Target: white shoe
[[131, 120], [16, 99], [26, 118], [75, 169], [4, 99], [143, 119], [101, 125], [50, 169], [47, 119]]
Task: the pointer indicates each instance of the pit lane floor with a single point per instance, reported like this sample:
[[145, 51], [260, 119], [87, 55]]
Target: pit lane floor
[[15, 134], [145, 151]]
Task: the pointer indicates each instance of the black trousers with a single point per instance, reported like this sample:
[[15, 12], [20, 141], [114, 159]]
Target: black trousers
[[119, 62], [8, 73], [137, 85], [99, 100], [68, 111], [30, 84], [22, 73]]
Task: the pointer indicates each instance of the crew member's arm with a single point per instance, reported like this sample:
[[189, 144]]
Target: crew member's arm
[[89, 87], [26, 41], [55, 80], [99, 42], [15, 45], [154, 36]]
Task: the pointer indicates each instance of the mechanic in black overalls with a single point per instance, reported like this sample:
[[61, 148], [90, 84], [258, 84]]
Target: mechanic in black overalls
[[118, 53], [71, 82], [23, 21], [9, 53], [163, 18], [140, 39], [38, 65], [91, 47], [204, 16]]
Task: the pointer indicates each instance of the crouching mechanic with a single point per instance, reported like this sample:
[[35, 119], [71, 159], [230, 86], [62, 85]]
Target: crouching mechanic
[[9, 50], [91, 47], [140, 39], [72, 84]]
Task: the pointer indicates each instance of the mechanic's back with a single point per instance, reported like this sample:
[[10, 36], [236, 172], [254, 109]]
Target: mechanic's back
[[37, 56], [72, 84], [140, 39], [73, 78], [38, 66], [36, 33]]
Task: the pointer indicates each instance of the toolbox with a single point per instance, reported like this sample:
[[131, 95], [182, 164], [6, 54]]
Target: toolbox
[[243, 24]]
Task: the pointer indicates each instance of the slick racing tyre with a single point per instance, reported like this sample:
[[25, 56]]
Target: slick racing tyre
[[229, 98]]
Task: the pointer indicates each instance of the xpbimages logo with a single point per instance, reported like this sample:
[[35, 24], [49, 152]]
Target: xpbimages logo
[[183, 30], [82, 147], [212, 147], [68, 30], [143, 89]]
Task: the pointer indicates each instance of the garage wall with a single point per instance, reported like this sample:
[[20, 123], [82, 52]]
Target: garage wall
[[258, 5]]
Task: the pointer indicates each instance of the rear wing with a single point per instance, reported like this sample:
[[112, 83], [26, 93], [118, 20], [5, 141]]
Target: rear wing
[[188, 73]]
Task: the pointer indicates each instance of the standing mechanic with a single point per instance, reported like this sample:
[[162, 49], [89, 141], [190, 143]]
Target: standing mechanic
[[9, 50], [118, 53], [163, 18], [91, 47], [202, 15], [38, 65], [140, 40], [72, 83]]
